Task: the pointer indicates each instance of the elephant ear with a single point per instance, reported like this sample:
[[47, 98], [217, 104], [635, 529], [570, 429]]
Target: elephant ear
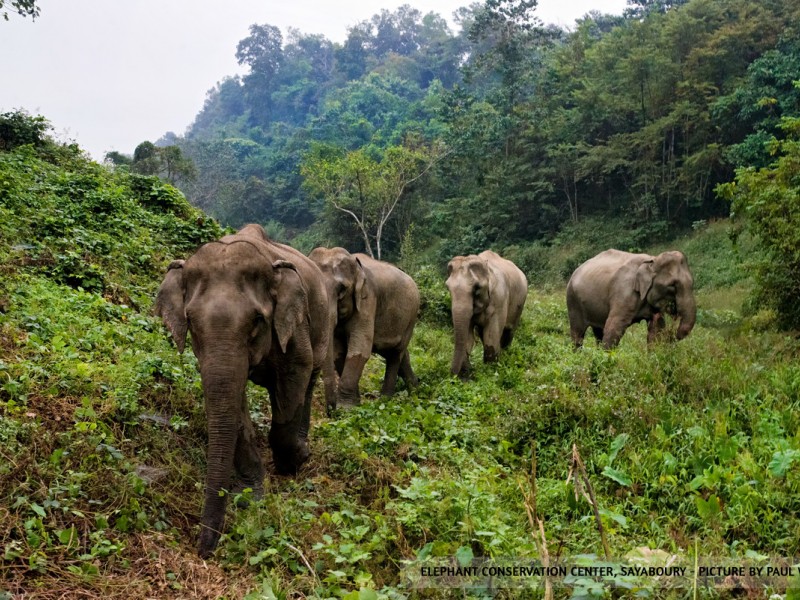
[[291, 301], [360, 291], [169, 304], [480, 272], [450, 266], [644, 278]]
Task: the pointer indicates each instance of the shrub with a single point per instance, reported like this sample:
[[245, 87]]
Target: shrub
[[769, 199], [18, 128]]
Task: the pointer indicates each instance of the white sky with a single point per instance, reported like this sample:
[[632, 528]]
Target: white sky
[[110, 74]]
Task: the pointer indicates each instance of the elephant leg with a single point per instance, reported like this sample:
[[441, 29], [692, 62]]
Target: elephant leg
[[506, 338], [406, 372], [289, 451], [598, 334], [613, 330], [577, 333], [393, 360], [655, 327], [492, 335], [290, 412], [349, 395], [247, 458]]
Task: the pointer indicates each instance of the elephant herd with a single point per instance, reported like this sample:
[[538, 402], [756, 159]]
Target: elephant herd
[[262, 311]]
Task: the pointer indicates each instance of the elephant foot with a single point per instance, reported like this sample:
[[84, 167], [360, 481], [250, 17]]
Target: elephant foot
[[243, 498], [207, 542], [289, 460], [348, 400]]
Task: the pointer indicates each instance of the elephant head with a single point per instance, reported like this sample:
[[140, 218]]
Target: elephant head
[[246, 308], [665, 283], [470, 281], [345, 280]]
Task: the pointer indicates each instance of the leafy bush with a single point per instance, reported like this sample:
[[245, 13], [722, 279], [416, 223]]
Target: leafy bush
[[769, 201], [19, 128], [103, 430]]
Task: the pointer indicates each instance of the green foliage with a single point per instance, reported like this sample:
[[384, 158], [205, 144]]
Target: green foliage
[[633, 118], [24, 8], [92, 395], [558, 145], [167, 162], [366, 191], [19, 128], [769, 201], [103, 439]]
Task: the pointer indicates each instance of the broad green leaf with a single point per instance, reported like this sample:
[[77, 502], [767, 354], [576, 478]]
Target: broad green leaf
[[617, 445], [618, 476], [708, 509], [367, 594], [616, 517], [781, 462], [464, 556]]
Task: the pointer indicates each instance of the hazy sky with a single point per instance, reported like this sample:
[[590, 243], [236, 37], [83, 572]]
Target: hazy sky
[[110, 74]]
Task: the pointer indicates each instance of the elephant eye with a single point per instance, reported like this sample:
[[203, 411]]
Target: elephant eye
[[257, 322]]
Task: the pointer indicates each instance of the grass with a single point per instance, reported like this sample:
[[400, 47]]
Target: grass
[[102, 435]]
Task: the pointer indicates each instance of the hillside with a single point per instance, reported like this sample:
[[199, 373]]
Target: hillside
[[520, 130], [689, 448]]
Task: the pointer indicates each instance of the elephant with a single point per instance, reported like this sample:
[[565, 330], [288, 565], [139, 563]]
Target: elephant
[[616, 289], [256, 310], [373, 308], [488, 294]]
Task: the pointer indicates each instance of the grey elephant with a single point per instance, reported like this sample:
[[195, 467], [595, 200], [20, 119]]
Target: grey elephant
[[373, 308], [256, 310], [616, 289], [488, 294]]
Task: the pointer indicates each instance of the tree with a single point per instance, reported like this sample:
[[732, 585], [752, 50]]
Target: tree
[[262, 51], [18, 128], [638, 9], [167, 162], [118, 159], [769, 200], [24, 8], [366, 189]]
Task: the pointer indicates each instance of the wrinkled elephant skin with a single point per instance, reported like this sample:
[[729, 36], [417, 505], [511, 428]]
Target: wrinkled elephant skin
[[615, 289], [373, 309], [488, 294], [255, 310]]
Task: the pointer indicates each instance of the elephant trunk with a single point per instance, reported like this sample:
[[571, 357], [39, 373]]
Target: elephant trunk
[[224, 380], [462, 326], [329, 376], [687, 311]]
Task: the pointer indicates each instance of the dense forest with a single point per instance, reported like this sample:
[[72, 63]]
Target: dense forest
[[501, 134], [673, 126]]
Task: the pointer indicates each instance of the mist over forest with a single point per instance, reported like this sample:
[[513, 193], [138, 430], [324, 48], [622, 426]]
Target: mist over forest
[[521, 131]]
